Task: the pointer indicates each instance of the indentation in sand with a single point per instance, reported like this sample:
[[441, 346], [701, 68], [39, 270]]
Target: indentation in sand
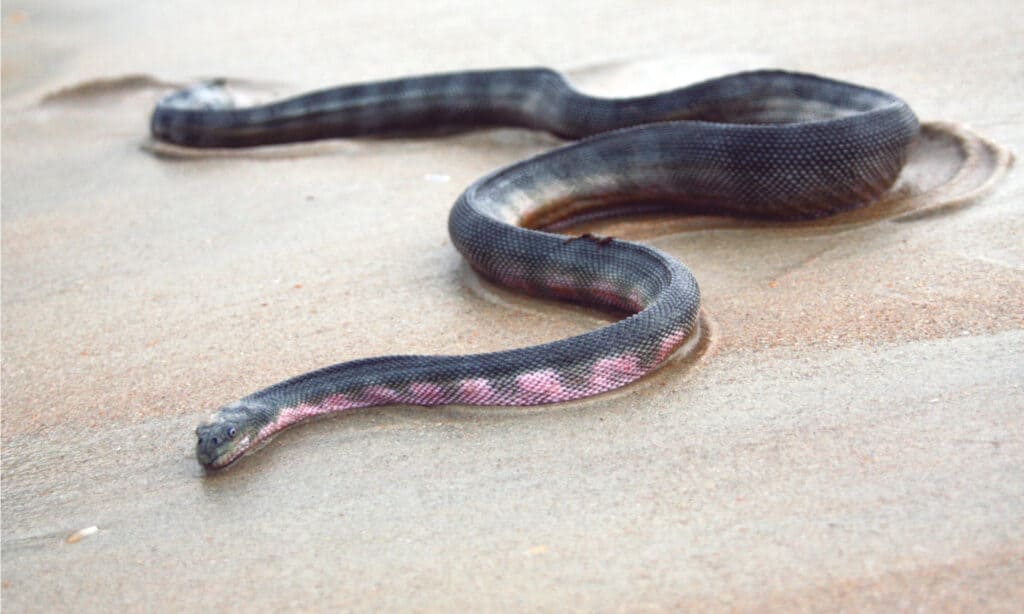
[[104, 88], [949, 167]]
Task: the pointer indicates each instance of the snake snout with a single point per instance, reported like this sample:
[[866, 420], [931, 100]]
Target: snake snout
[[213, 442]]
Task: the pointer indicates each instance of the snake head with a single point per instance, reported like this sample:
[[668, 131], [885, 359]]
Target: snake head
[[229, 434]]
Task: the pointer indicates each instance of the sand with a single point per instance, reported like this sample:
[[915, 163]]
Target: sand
[[848, 432]]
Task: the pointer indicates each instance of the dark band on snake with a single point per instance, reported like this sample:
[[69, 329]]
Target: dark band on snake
[[765, 144]]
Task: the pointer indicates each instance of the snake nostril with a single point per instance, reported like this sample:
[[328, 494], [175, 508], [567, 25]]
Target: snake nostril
[[215, 441]]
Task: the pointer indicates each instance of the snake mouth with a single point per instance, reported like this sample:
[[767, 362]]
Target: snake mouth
[[224, 460]]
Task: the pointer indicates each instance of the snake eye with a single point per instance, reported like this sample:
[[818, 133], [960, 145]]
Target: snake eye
[[232, 432]]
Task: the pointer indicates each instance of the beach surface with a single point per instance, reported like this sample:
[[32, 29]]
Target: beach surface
[[846, 432]]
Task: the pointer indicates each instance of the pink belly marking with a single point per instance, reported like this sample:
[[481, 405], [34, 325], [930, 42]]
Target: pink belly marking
[[478, 390], [424, 393], [609, 373], [541, 387]]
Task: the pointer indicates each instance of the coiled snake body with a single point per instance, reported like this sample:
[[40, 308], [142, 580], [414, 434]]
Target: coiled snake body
[[768, 144]]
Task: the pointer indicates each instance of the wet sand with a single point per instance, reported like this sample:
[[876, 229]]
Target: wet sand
[[848, 434]]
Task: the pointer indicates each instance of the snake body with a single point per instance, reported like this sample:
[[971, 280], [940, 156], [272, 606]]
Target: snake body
[[768, 144]]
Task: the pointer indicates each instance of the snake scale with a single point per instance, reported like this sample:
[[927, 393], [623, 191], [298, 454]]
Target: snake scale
[[766, 144]]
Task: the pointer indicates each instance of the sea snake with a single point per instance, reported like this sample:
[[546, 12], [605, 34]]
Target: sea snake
[[767, 144]]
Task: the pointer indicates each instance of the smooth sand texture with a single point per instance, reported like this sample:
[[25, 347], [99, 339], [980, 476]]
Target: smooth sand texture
[[852, 435]]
